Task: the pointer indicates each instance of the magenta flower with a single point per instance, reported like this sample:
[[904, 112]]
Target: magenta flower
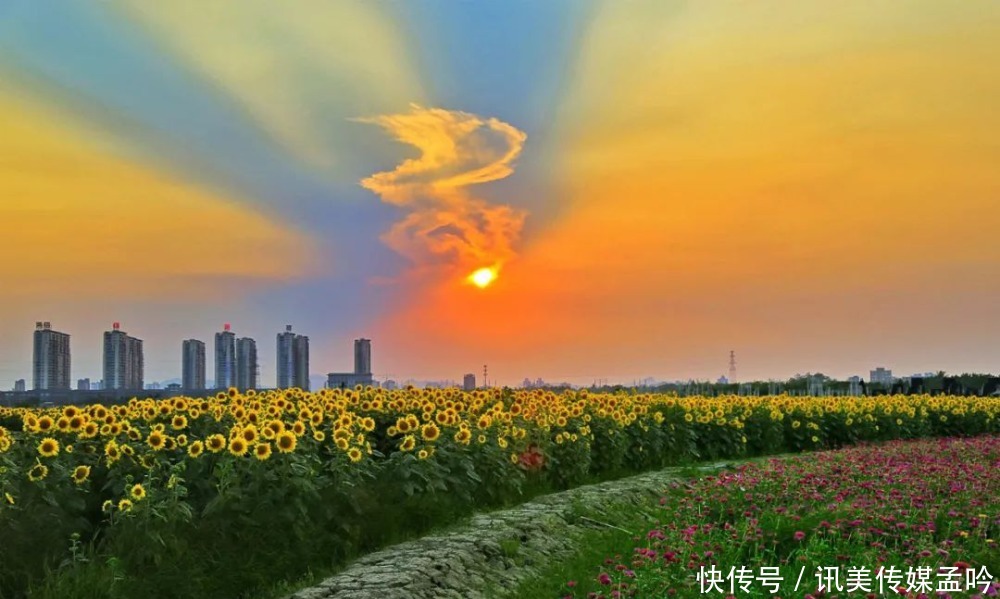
[[799, 535]]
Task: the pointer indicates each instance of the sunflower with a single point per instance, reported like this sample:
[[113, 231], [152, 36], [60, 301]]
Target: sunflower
[[9, 498], [298, 428], [354, 454], [45, 424], [38, 472], [408, 443], [195, 449], [30, 423], [286, 442], [430, 432], [463, 436], [249, 434], [422, 454], [89, 431], [156, 440], [262, 451], [138, 492], [319, 436], [238, 447], [215, 443], [49, 447], [342, 443], [112, 451], [125, 505], [81, 474], [179, 422]]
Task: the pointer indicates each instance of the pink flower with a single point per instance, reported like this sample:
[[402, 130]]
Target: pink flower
[[604, 578], [571, 584], [799, 535]]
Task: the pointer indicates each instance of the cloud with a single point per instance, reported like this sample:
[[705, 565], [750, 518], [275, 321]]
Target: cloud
[[446, 225], [80, 221], [298, 72]]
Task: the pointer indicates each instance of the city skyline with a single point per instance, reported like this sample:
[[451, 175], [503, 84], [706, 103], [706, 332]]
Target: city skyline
[[123, 355], [573, 190]]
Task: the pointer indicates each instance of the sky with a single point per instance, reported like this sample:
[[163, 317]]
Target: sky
[[651, 184]]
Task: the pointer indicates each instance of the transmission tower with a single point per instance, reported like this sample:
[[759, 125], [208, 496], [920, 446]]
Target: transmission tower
[[732, 366], [484, 376]]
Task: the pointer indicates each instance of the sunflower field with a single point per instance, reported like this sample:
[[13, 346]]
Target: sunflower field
[[228, 495]]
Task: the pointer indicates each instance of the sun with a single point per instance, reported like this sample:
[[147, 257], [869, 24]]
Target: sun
[[483, 277]]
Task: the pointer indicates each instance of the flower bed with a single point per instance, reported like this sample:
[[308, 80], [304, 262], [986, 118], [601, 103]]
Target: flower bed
[[916, 518]]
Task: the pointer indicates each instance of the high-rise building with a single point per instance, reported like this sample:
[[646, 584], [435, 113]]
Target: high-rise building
[[469, 382], [362, 374], [301, 354], [123, 360], [362, 356], [83, 384], [246, 363], [293, 360], [880, 376], [20, 386], [225, 358], [193, 365], [51, 359]]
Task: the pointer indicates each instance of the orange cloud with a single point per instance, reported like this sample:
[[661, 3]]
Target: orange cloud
[[446, 224], [809, 196], [77, 216]]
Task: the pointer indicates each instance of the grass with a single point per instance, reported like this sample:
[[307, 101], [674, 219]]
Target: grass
[[610, 534]]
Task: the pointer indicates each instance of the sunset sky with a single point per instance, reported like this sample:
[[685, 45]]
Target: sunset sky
[[815, 185]]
